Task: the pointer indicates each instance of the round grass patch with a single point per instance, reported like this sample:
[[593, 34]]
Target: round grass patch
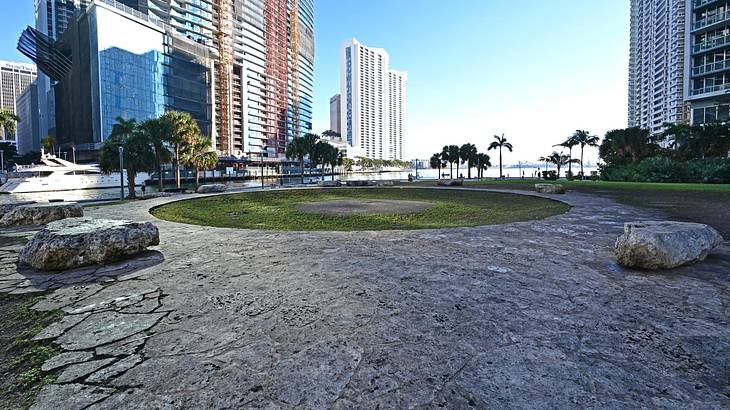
[[282, 210]]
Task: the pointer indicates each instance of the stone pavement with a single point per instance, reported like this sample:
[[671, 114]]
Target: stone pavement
[[522, 315]]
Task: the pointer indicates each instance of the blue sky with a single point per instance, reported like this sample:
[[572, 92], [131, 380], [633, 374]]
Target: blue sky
[[534, 70]]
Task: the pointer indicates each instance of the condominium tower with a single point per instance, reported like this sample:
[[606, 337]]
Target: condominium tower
[[15, 79], [707, 77], [656, 63], [373, 98], [260, 65]]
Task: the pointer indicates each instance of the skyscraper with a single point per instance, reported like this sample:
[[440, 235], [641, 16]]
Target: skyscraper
[[261, 70], [707, 76], [15, 78], [29, 136], [373, 117], [336, 113], [657, 63]]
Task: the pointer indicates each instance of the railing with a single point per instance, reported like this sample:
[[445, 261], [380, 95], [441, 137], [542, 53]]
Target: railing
[[711, 89], [711, 67], [708, 21], [700, 3], [710, 44]]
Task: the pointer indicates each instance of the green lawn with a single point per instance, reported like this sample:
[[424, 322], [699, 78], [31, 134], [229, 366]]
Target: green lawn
[[276, 210], [614, 185]]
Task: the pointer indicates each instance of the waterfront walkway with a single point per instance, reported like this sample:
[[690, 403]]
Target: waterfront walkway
[[522, 315]]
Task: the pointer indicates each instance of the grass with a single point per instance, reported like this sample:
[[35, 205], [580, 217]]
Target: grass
[[616, 185], [21, 357], [276, 210]]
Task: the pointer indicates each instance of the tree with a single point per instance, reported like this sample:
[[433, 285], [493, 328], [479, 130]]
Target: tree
[[296, 149], [48, 142], [334, 135], [467, 154], [436, 162], [569, 144], [627, 146], [559, 159], [319, 156], [201, 156], [184, 132], [347, 163], [138, 155], [158, 132], [8, 123], [499, 143], [452, 153], [10, 151], [483, 163], [584, 139]]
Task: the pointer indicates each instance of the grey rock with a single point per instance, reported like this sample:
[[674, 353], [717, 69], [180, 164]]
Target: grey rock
[[154, 195], [69, 396], [40, 214], [79, 370], [550, 188], [114, 370], [56, 329], [64, 359], [7, 207], [78, 242], [106, 327], [385, 183], [211, 188], [360, 183], [450, 182], [665, 245]]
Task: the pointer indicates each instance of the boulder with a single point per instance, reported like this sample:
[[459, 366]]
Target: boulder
[[154, 195], [328, 184], [75, 242], [385, 183], [40, 214], [450, 182], [664, 245], [360, 183], [550, 188], [7, 207], [211, 188]]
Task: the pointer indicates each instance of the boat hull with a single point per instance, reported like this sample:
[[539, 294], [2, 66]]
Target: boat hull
[[55, 183]]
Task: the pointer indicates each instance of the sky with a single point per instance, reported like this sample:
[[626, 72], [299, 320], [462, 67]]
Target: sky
[[534, 70]]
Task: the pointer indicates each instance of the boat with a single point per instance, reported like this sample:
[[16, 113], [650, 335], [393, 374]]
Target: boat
[[55, 174]]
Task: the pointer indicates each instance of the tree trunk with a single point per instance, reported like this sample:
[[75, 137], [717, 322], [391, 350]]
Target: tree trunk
[[197, 178], [570, 158], [582, 175], [452, 169], [160, 175], [439, 171], [301, 168], [130, 183], [177, 166], [457, 170], [501, 175]]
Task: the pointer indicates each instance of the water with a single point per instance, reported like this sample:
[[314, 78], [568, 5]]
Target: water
[[113, 193]]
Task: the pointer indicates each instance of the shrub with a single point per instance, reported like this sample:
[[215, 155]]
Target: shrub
[[663, 169], [550, 175]]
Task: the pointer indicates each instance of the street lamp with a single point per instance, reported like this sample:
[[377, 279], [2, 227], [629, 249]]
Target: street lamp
[[263, 149], [2, 160], [121, 172], [73, 150]]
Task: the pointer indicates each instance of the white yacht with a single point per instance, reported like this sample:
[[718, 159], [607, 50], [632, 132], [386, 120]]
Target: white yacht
[[56, 174]]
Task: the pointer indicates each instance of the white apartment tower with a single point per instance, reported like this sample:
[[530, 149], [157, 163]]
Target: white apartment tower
[[15, 79], [657, 63], [373, 98]]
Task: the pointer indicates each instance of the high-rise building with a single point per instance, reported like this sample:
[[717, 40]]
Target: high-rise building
[[373, 116], [657, 62], [29, 135], [335, 114], [15, 78], [707, 76], [52, 17], [262, 65]]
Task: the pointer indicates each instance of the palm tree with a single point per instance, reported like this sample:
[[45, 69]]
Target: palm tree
[[185, 132], [454, 157], [467, 153], [48, 143], [559, 159], [445, 158], [436, 162], [583, 138], [500, 142], [138, 156], [310, 143], [158, 131], [201, 156], [332, 135], [8, 123], [296, 149], [483, 163], [123, 128], [569, 144]]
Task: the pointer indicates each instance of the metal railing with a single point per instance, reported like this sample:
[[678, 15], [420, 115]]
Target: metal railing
[[710, 44], [711, 89], [710, 20], [711, 67], [700, 3]]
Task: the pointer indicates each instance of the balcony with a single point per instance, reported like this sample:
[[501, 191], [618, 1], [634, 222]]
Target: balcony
[[699, 3], [711, 89], [709, 21], [711, 68], [710, 44]]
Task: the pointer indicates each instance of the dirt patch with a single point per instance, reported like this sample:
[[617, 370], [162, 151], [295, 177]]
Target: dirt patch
[[347, 207]]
